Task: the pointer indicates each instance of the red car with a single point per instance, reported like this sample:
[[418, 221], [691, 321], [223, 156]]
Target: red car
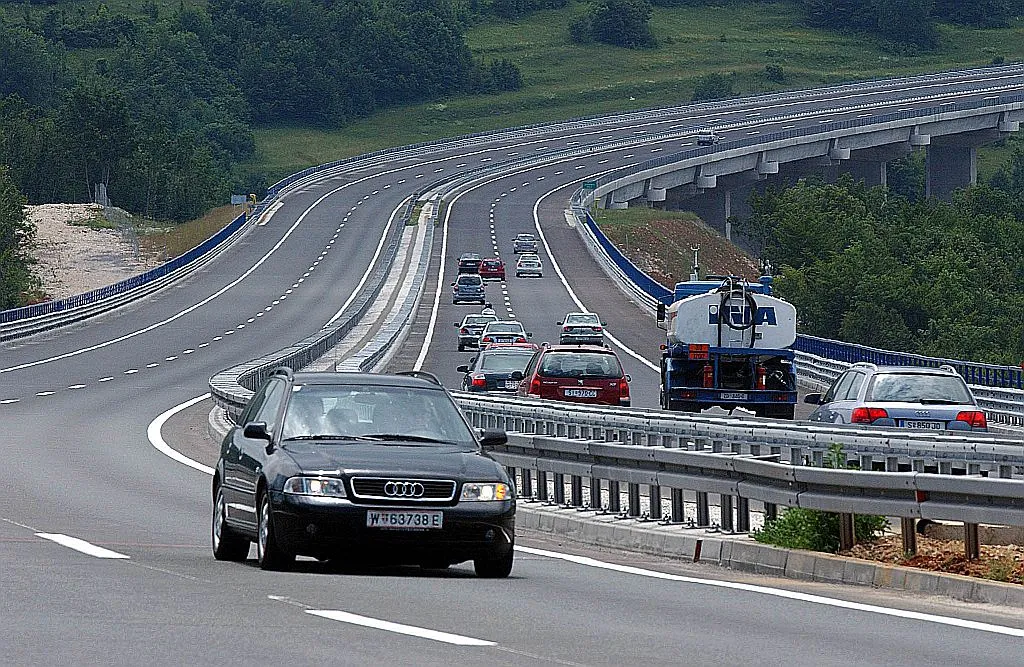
[[577, 373], [492, 267]]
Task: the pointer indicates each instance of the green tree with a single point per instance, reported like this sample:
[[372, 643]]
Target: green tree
[[16, 233], [712, 86], [624, 23]]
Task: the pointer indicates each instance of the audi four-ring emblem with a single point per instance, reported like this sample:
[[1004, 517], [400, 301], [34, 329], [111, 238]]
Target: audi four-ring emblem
[[403, 489]]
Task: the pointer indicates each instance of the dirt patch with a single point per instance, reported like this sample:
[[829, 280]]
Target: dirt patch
[[661, 247], [78, 250], [999, 563]]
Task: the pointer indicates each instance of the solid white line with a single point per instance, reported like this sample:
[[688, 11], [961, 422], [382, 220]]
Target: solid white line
[[565, 283], [388, 626], [270, 213], [778, 592], [81, 546], [157, 440]]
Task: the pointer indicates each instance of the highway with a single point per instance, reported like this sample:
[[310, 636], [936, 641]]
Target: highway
[[76, 405]]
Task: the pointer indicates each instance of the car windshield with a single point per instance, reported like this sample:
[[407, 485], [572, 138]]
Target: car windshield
[[501, 327], [505, 360], [580, 364], [919, 387], [478, 319], [469, 280], [582, 319], [351, 411]]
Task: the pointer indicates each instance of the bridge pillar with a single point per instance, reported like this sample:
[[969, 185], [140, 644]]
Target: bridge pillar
[[872, 172], [950, 167]]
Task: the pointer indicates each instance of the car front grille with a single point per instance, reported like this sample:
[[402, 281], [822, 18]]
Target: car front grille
[[403, 489]]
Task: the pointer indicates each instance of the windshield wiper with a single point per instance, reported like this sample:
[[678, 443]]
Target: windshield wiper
[[321, 436], [938, 401], [400, 436]]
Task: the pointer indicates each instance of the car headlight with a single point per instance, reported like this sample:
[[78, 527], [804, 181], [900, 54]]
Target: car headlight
[[472, 491], [329, 487]]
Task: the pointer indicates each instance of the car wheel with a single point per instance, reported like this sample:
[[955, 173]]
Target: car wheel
[[495, 567], [269, 554], [226, 544], [461, 347]]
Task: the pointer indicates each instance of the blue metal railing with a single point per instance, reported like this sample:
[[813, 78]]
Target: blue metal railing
[[59, 305], [984, 375]]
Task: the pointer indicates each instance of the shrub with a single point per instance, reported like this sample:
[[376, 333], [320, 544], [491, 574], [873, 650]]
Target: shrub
[[774, 73]]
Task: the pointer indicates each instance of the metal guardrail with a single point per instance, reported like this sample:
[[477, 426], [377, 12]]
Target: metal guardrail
[[27, 320], [797, 443], [738, 479]]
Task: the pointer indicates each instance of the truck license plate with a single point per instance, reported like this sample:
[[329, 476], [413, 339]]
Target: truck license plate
[[733, 396], [398, 520], [581, 393]]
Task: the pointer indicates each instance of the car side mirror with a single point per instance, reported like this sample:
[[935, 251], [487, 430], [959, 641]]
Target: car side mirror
[[453, 284], [516, 376], [661, 313], [529, 335], [813, 399], [604, 324], [256, 431], [628, 378], [456, 324], [490, 438], [462, 369]]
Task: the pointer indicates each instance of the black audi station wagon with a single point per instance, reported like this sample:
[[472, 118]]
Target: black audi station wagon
[[361, 467]]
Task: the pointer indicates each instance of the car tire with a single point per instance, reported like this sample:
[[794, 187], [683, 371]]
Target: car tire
[[226, 544], [269, 553], [495, 567], [461, 347]]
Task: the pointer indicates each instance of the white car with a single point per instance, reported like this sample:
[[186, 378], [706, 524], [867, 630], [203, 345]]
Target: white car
[[708, 137], [504, 331], [529, 267], [581, 328]]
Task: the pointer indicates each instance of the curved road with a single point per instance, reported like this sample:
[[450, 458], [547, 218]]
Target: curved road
[[75, 405]]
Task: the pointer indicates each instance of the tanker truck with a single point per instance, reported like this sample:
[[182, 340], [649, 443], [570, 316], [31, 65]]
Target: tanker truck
[[728, 345]]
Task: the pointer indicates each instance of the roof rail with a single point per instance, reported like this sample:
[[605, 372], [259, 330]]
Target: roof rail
[[422, 375]]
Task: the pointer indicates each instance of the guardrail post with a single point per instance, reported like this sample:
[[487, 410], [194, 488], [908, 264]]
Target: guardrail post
[[634, 499], [703, 511], [527, 483], [655, 494], [717, 446], [725, 513], [542, 486], [847, 537], [972, 545], [576, 495], [908, 530], [771, 512], [559, 488], [742, 515], [595, 493], [678, 506], [614, 500]]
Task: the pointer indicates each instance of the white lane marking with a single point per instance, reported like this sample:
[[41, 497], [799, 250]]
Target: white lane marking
[[77, 386], [106, 379], [373, 260], [152, 365], [778, 592], [388, 626], [157, 440], [81, 546], [171, 358], [8, 401], [45, 393], [572, 295], [131, 371], [270, 213]]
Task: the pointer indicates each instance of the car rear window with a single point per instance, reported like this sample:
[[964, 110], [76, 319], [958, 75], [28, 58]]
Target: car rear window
[[505, 361], [917, 387], [491, 264], [469, 280], [479, 319], [504, 328], [580, 364], [581, 319]]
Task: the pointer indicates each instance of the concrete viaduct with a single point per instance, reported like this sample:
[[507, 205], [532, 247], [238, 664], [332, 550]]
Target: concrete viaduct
[[715, 182]]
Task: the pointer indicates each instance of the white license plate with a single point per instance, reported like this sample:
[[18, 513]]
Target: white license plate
[[398, 520], [733, 396], [925, 426], [511, 384], [581, 393]]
